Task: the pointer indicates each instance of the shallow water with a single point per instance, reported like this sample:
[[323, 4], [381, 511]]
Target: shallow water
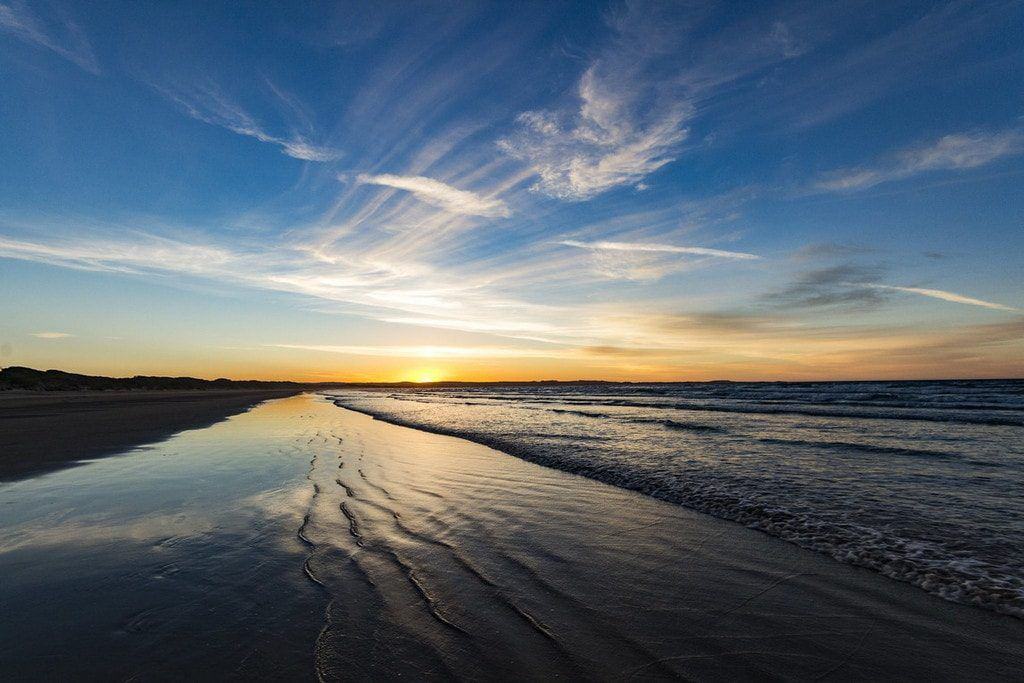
[[920, 481], [173, 558]]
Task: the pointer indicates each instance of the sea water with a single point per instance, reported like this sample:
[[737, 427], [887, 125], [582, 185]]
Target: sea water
[[920, 481]]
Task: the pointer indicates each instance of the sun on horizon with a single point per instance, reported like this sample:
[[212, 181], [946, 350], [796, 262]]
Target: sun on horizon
[[426, 375]]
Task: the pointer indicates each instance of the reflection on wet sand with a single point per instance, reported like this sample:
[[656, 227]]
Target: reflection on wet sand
[[445, 557], [301, 540], [173, 559]]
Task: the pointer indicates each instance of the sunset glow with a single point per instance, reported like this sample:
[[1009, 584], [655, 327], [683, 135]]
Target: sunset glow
[[425, 375], [665, 199]]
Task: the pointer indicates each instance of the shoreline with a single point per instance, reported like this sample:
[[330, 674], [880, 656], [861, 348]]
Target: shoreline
[[44, 431], [382, 551], [598, 578], [889, 570]]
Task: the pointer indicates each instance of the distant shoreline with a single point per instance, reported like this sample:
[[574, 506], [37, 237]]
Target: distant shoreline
[[17, 378], [29, 379]]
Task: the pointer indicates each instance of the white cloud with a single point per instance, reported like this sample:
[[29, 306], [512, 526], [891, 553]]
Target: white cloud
[[631, 108], [604, 146], [145, 252], [459, 299], [73, 46], [658, 248], [441, 195], [951, 152], [628, 112], [208, 105], [51, 335], [360, 282], [964, 150], [945, 296], [300, 149], [500, 326], [430, 351]]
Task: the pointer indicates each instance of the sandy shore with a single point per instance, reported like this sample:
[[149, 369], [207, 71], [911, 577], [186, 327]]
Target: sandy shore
[[304, 541], [42, 431], [460, 559]]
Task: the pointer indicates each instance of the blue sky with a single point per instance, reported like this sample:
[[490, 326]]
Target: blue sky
[[513, 190]]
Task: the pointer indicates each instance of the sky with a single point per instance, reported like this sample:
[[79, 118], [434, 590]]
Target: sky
[[532, 190]]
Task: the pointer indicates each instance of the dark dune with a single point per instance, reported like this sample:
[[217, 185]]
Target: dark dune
[[30, 379], [47, 430]]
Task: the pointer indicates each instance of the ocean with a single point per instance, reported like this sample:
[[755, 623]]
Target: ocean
[[920, 481]]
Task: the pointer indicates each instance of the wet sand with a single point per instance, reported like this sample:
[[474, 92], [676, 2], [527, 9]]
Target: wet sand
[[43, 431], [361, 550], [446, 557]]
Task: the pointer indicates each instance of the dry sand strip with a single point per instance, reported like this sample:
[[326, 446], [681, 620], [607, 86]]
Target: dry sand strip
[[44, 431]]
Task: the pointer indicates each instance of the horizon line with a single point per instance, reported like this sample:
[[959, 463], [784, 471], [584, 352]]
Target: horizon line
[[447, 382]]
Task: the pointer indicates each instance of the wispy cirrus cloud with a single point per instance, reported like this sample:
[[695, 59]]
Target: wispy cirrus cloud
[[518, 327], [482, 351], [300, 149], [829, 250], [959, 151], [912, 47], [400, 351], [658, 248], [144, 252], [71, 43], [597, 152], [843, 286], [406, 292], [945, 296], [856, 286], [441, 195], [51, 335], [209, 105], [632, 107], [623, 124], [712, 344]]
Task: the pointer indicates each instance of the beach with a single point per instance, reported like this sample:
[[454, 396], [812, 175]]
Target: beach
[[303, 540], [41, 431]]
